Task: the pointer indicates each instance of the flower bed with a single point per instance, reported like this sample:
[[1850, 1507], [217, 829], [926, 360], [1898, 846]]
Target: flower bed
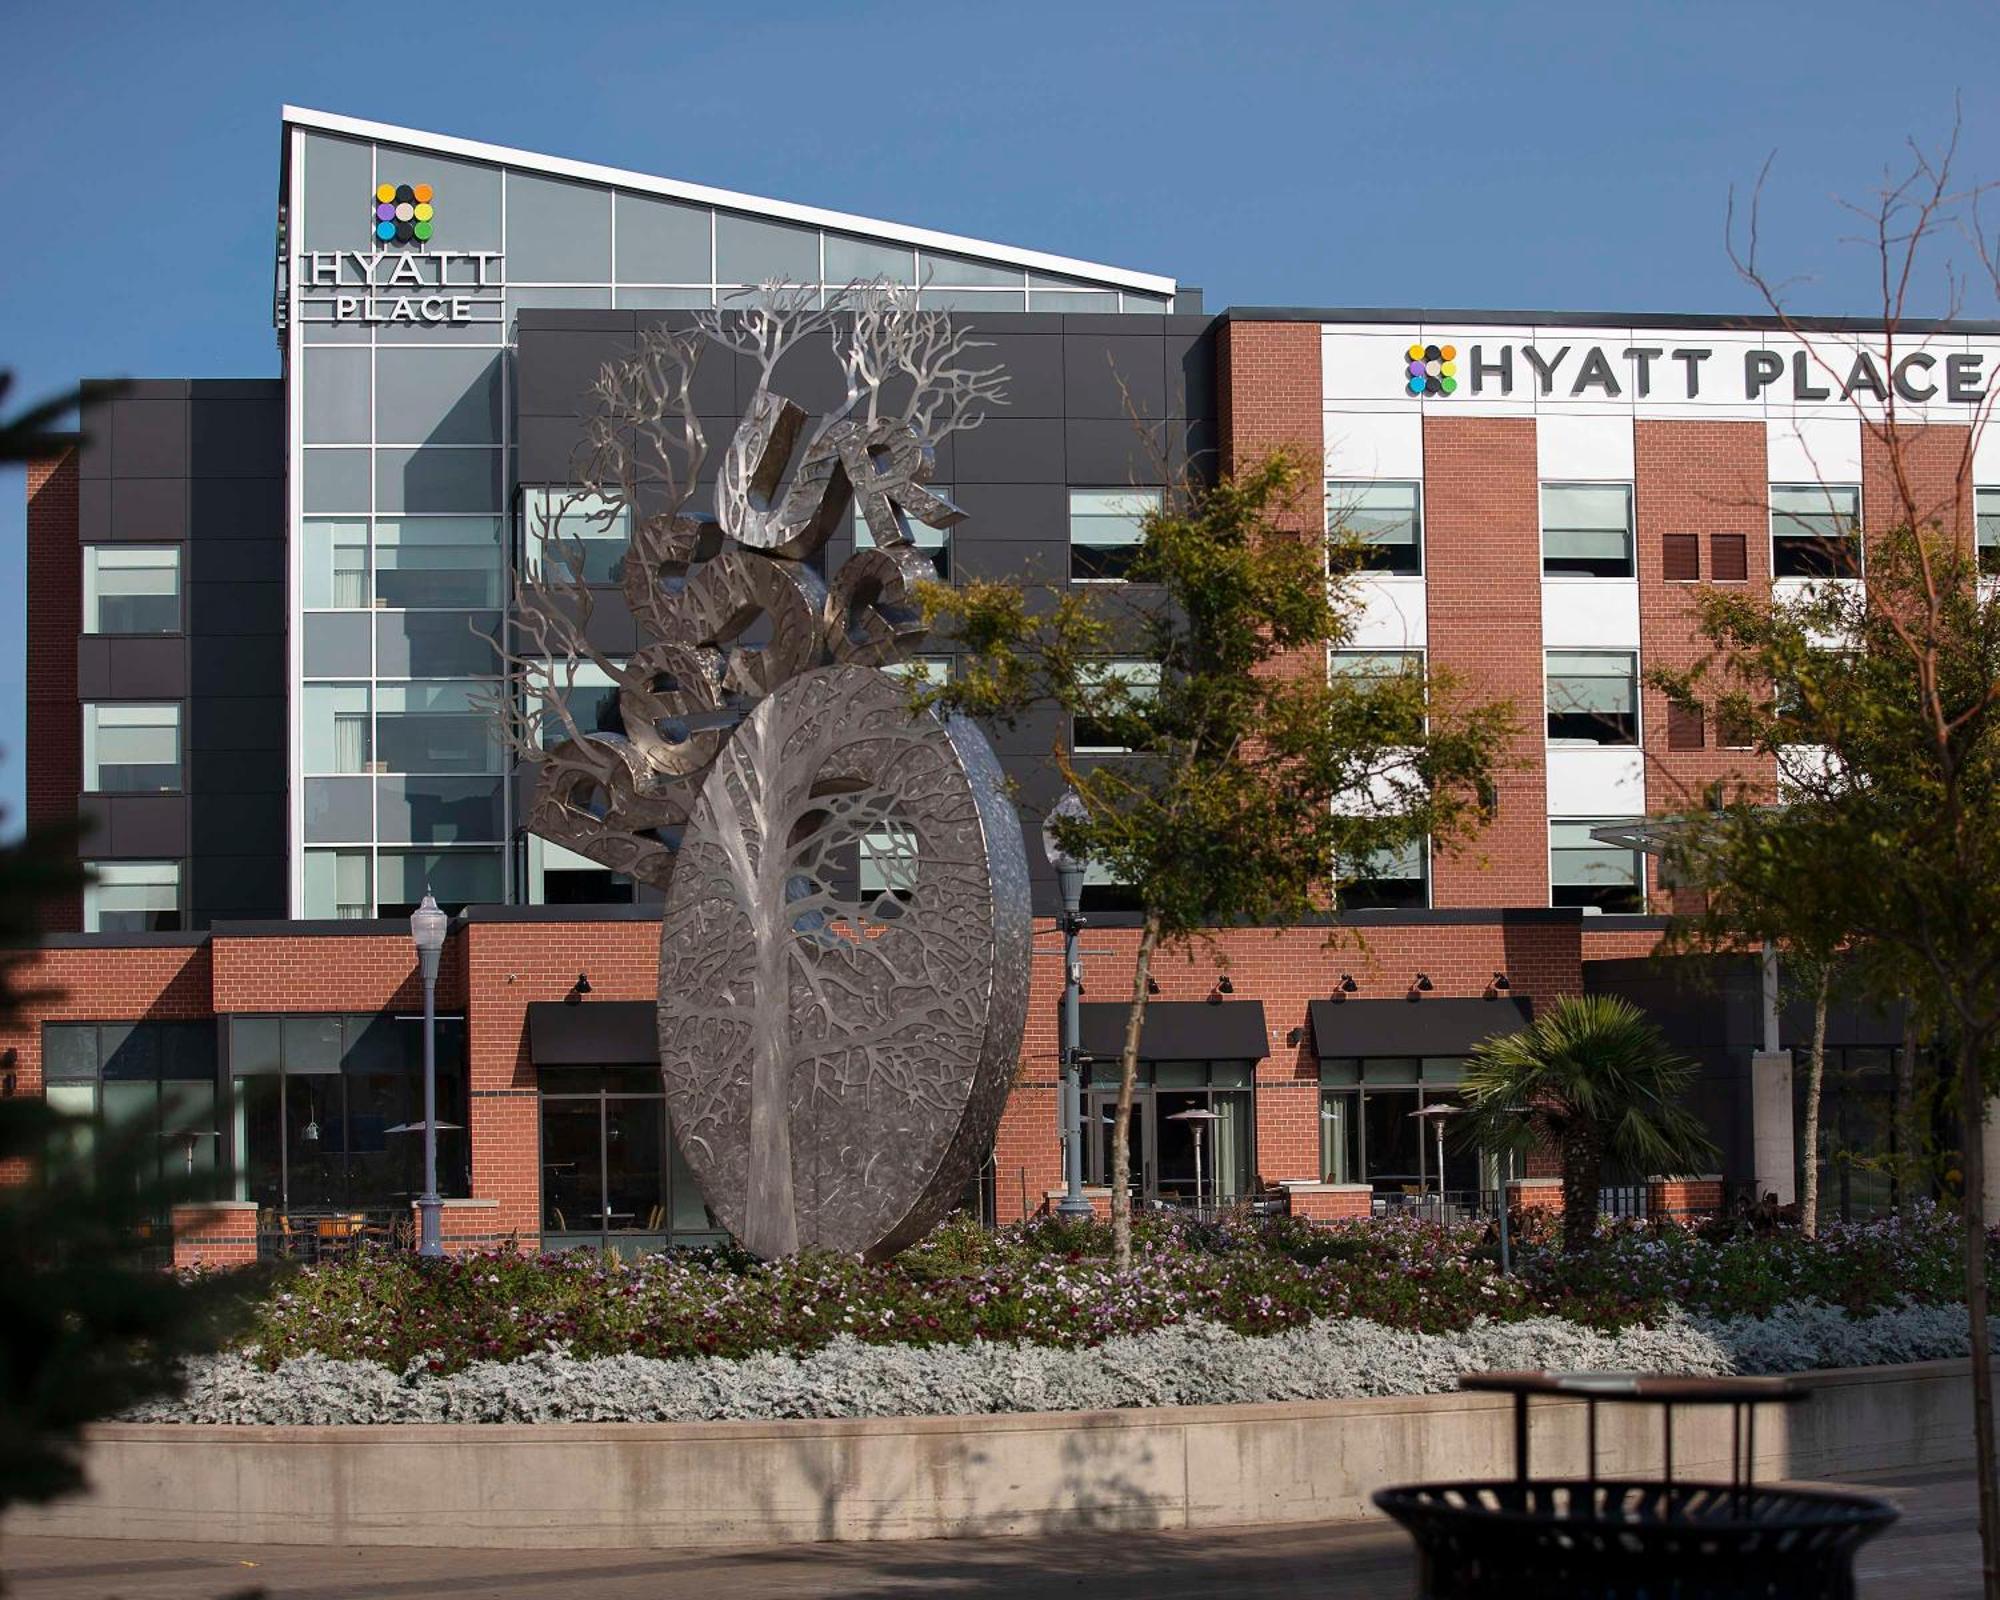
[[1050, 1284]]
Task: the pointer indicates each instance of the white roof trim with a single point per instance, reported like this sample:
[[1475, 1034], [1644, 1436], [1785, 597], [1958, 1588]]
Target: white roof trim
[[700, 194]]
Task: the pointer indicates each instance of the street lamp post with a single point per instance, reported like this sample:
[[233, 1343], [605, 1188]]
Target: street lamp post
[[427, 930], [1069, 878]]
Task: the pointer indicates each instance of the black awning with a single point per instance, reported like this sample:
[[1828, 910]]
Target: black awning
[[594, 1033], [1427, 1027], [1179, 1030]]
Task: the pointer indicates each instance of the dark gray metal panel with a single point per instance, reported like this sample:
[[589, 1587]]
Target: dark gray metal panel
[[238, 722], [93, 668], [238, 824], [149, 510], [93, 509], [547, 449], [229, 561], [1024, 560], [237, 438], [594, 1033], [1179, 1030], [149, 438], [1190, 372], [235, 608], [142, 827], [142, 668], [1428, 1027], [1114, 376], [235, 772], [554, 372], [1113, 454], [238, 508], [1011, 450], [222, 664], [1034, 364]]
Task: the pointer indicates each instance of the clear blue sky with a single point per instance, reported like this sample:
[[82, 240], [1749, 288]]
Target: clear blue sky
[[1479, 154]]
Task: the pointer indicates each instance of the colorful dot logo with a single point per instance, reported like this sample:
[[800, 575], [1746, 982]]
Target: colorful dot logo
[[1431, 369], [404, 213]]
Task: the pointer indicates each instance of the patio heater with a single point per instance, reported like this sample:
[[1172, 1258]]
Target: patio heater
[[1203, 1121], [1069, 879], [427, 930], [1434, 1116]]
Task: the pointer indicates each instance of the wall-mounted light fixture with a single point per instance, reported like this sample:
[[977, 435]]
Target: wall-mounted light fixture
[[1498, 986], [1152, 984], [1420, 984], [1346, 987], [578, 990], [1225, 985], [1295, 1036]]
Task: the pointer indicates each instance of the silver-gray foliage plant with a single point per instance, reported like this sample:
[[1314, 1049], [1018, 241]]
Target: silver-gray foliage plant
[[1193, 1363]]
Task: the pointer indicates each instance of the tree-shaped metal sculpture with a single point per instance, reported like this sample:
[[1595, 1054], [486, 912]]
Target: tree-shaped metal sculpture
[[835, 1059]]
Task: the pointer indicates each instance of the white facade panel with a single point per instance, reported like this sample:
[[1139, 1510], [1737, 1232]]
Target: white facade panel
[[1590, 614], [1814, 449], [1572, 445], [1596, 781], [1392, 614], [1365, 364], [1368, 444]]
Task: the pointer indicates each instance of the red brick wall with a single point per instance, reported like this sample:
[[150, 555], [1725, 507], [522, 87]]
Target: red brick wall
[[1483, 577], [160, 983], [1270, 395], [338, 973], [1285, 970], [1703, 478], [54, 731], [1937, 474]]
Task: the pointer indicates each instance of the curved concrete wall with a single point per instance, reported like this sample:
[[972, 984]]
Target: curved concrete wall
[[684, 1485]]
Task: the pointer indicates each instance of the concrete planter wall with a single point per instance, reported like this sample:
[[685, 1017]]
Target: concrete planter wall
[[685, 1485]]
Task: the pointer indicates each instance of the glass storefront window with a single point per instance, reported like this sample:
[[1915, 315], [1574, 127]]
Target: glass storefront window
[[1370, 1133], [149, 1085], [611, 1174], [1163, 1139]]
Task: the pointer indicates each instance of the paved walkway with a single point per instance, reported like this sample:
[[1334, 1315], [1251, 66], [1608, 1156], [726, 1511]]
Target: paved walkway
[[1932, 1552]]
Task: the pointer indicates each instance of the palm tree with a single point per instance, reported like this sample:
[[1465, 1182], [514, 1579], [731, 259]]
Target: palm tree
[[1594, 1080]]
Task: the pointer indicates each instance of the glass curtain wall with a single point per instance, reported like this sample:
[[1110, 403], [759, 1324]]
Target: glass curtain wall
[[612, 1175], [326, 1112]]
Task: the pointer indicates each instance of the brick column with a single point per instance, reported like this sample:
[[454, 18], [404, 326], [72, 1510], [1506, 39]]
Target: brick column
[[216, 1233], [1937, 469], [1483, 569]]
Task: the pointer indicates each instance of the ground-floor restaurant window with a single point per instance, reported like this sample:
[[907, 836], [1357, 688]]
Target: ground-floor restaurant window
[[1370, 1131], [611, 1172], [152, 1083], [326, 1112], [1190, 1119], [1857, 1130]]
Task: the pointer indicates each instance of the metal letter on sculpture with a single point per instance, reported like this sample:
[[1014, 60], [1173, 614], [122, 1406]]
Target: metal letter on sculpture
[[845, 944]]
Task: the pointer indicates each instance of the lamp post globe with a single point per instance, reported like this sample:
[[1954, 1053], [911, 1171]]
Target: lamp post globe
[[428, 925], [1069, 879]]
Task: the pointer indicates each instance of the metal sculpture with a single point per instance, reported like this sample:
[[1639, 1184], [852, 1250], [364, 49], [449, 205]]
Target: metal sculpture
[[835, 1058]]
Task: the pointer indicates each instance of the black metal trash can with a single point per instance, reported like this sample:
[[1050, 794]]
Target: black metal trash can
[[1563, 1539]]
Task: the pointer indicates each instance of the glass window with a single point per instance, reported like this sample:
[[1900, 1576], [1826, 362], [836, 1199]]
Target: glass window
[[433, 727], [1593, 697], [338, 811], [1074, 300], [961, 272], [574, 534], [1587, 530], [1815, 530], [611, 1173], [458, 878], [988, 300], [1584, 872], [132, 588], [1339, 1136], [1988, 501], [1395, 878], [1106, 528], [934, 542], [334, 731], [557, 232], [559, 877], [889, 861], [662, 241], [336, 885], [419, 479], [1103, 890], [753, 250], [132, 897], [336, 480], [932, 670], [444, 563], [336, 170], [139, 1078], [429, 810], [131, 749], [859, 260], [1373, 664], [437, 396], [591, 697], [435, 644], [1386, 517], [1105, 732], [334, 564]]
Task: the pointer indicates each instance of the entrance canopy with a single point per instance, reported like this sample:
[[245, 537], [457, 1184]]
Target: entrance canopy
[[1413, 1028], [1179, 1030], [594, 1033]]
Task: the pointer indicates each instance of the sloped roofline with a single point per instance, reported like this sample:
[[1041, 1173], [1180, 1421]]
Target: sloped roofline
[[728, 200]]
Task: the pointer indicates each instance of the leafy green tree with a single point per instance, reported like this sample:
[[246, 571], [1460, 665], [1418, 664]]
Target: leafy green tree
[[1593, 1079], [1252, 786]]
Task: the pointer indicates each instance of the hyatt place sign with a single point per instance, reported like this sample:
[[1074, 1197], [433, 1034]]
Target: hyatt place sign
[[1691, 372], [401, 286]]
